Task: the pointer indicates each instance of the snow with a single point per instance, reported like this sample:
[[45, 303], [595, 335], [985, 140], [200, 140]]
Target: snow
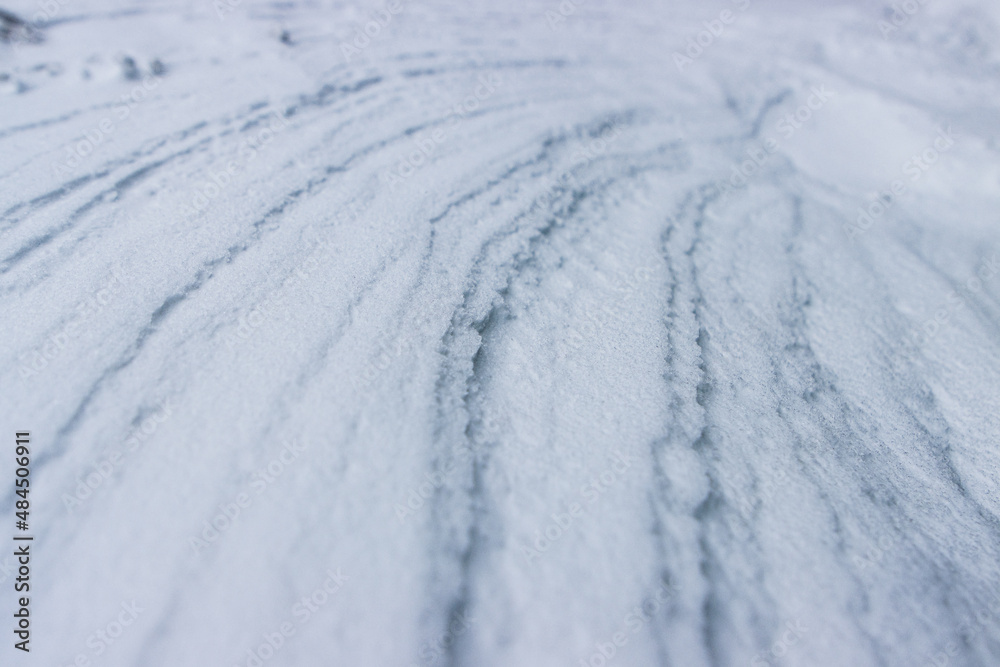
[[462, 345]]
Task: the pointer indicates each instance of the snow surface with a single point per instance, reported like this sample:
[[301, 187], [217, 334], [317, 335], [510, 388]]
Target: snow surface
[[556, 384]]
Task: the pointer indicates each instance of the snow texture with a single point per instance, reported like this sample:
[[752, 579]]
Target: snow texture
[[478, 333]]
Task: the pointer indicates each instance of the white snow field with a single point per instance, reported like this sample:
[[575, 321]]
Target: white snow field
[[452, 332]]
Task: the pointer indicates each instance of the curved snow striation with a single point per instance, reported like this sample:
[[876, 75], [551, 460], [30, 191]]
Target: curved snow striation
[[464, 333]]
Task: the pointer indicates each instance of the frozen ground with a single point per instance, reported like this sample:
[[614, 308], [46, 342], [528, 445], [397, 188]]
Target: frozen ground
[[470, 335]]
